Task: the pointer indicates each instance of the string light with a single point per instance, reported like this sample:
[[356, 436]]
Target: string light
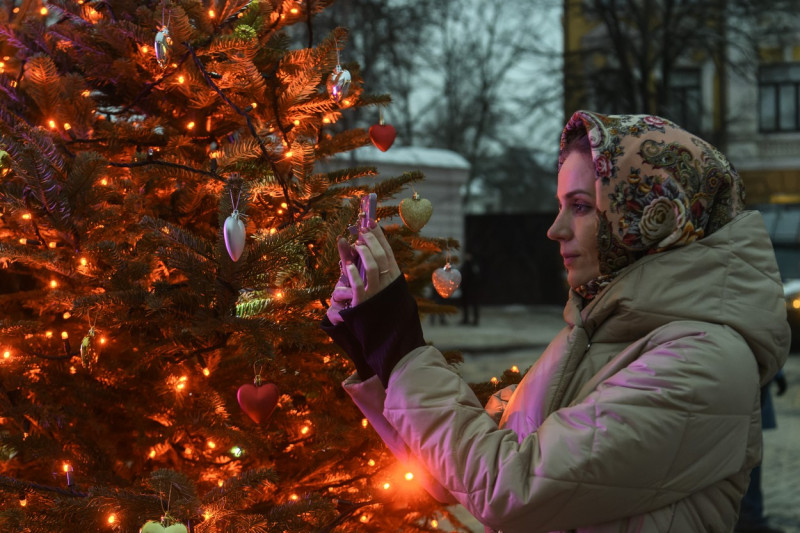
[[434, 523], [220, 483], [181, 79], [364, 518], [190, 125], [48, 334], [494, 380], [294, 11], [104, 181], [145, 49], [73, 370], [387, 486], [64, 335], [6, 354], [53, 284], [206, 372], [305, 430], [211, 444], [296, 122], [66, 315], [51, 244], [211, 14], [23, 240], [181, 383], [371, 462], [26, 216], [112, 518], [85, 93], [294, 497], [83, 261], [237, 451], [43, 11], [152, 453], [364, 422], [23, 500], [52, 124], [207, 515], [409, 476], [515, 369], [67, 126]]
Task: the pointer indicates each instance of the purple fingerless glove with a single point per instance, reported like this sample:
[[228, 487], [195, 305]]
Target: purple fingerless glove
[[342, 336], [386, 326]]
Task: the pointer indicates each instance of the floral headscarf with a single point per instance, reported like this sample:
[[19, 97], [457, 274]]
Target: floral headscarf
[[659, 187]]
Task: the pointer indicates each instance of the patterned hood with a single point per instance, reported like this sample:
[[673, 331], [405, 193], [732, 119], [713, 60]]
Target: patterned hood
[[658, 187]]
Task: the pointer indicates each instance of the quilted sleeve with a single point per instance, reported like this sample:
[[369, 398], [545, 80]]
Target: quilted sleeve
[[673, 421]]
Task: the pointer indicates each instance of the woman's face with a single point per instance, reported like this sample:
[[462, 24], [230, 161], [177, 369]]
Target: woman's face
[[575, 227]]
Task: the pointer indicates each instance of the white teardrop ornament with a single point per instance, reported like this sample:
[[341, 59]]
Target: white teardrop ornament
[[234, 235]]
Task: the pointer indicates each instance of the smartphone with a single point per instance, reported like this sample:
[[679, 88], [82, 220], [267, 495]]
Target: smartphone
[[366, 217]]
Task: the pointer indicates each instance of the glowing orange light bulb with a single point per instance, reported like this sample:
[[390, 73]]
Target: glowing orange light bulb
[[181, 79], [326, 120], [23, 501], [387, 486], [52, 124], [273, 231], [409, 476], [494, 380], [515, 369], [66, 315], [85, 93], [220, 483], [284, 205], [294, 11], [212, 444], [152, 454], [296, 122], [294, 497], [6, 354], [84, 261], [305, 430], [43, 11], [211, 14], [72, 370], [53, 284], [364, 422], [64, 335], [51, 244], [104, 181], [190, 125], [112, 518], [289, 154], [48, 334], [364, 517], [434, 523], [67, 467], [23, 240], [206, 372], [67, 126], [26, 216], [371, 462]]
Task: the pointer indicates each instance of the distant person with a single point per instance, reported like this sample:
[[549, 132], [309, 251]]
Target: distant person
[[643, 413], [751, 515], [470, 286]]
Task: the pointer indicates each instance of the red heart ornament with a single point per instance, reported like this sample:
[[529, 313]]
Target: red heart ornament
[[258, 402], [382, 136]]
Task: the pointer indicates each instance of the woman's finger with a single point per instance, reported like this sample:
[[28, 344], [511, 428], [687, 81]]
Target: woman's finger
[[377, 231], [359, 292], [371, 270]]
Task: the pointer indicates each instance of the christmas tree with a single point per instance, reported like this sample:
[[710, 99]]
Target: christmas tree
[[168, 245]]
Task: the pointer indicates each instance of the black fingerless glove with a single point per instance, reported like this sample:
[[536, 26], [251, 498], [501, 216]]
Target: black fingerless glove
[[386, 326], [342, 336]]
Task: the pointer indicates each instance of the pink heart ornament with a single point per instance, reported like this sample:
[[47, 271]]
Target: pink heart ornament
[[258, 402], [446, 280], [234, 234]]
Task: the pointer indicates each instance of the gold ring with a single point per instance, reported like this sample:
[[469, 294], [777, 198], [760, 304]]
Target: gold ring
[[384, 271]]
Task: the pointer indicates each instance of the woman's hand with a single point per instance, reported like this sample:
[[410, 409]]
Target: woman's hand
[[380, 266], [340, 299]]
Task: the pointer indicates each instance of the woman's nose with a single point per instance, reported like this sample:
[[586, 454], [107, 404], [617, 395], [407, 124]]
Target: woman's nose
[[559, 230]]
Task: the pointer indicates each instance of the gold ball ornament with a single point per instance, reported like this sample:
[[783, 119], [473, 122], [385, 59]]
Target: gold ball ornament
[[446, 280], [415, 212], [3, 155]]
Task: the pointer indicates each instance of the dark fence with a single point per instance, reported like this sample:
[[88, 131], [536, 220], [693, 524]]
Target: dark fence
[[518, 263]]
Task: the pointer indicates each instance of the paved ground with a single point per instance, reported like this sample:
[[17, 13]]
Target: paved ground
[[516, 335]]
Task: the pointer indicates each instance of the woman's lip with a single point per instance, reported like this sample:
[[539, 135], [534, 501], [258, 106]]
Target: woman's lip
[[569, 259]]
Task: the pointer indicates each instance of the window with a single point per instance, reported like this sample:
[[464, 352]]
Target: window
[[779, 97], [685, 105]]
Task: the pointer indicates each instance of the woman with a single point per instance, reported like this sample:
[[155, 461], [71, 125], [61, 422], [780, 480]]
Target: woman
[[643, 413]]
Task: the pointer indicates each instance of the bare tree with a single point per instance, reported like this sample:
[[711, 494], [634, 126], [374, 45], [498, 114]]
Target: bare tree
[[630, 62], [495, 74]]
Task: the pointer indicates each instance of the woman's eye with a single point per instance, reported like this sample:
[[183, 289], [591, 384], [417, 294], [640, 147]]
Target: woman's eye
[[581, 207]]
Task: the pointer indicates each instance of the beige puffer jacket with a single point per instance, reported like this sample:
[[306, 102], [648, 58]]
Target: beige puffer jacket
[[642, 414]]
